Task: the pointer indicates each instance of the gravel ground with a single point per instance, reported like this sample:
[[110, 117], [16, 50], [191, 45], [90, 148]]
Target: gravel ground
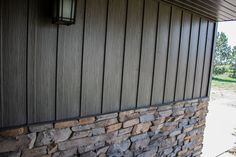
[[220, 124]]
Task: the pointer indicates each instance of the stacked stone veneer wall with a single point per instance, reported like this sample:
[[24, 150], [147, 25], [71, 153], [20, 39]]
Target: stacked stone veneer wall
[[170, 130]]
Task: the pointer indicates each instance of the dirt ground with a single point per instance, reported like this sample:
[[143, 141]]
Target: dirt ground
[[220, 124]]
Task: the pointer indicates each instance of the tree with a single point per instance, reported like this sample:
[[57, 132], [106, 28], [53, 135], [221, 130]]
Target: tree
[[233, 63], [232, 57], [223, 54]]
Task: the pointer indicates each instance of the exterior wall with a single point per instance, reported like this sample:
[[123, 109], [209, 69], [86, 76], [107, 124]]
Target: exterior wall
[[167, 131], [120, 54]]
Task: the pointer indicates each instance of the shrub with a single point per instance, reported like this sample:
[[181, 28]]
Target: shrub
[[232, 72], [220, 69]]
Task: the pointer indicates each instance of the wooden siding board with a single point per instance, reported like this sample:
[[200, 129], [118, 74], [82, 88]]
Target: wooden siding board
[[172, 60], [69, 67], [147, 53], [192, 57], [213, 47], [161, 53], [13, 62], [94, 41], [200, 59], [207, 62], [42, 47], [132, 54], [183, 56], [114, 55]]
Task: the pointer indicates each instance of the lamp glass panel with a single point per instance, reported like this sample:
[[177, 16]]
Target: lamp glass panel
[[67, 9]]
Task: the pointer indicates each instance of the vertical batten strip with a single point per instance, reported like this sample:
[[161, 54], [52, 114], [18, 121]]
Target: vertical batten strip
[[212, 57], [196, 59], [140, 54], [27, 63], [104, 55], [203, 67], [155, 52], [123, 58], [167, 56], [177, 68], [82, 58], [186, 73], [192, 57], [56, 72]]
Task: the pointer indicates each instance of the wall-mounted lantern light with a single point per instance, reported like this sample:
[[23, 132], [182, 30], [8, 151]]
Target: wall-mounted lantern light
[[64, 12]]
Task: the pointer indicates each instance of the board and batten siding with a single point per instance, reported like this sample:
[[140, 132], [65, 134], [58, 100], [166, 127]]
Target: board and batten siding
[[120, 54]]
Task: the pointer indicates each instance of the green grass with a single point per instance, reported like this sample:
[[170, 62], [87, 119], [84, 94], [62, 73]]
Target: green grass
[[223, 82]]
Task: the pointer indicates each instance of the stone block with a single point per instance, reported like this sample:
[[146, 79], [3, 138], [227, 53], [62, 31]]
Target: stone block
[[89, 154], [102, 150], [139, 137], [81, 134], [130, 123], [14, 132], [11, 154], [83, 127], [182, 153], [67, 124], [98, 131], [159, 121], [118, 139], [181, 136], [39, 151], [113, 127], [156, 128], [178, 118], [106, 122], [91, 147], [168, 142], [168, 128], [165, 113], [165, 107], [32, 138], [141, 128], [188, 128], [40, 128], [128, 115], [87, 120], [147, 118], [106, 116], [183, 122], [175, 132], [125, 131], [82, 142], [141, 110], [168, 151], [10, 144], [66, 153], [52, 148], [140, 145], [119, 148], [54, 135], [150, 153]]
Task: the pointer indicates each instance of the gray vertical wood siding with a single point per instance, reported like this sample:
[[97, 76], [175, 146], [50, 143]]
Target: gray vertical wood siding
[[120, 54]]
